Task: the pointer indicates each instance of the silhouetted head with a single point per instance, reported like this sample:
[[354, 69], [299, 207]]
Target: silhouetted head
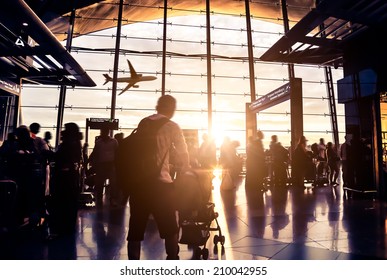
[[274, 138], [166, 105], [35, 128], [314, 148], [260, 134], [71, 132], [104, 132], [47, 135], [22, 133], [119, 136], [303, 140]]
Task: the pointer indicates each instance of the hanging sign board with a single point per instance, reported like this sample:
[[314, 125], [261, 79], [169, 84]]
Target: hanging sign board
[[98, 123], [274, 97], [9, 86]]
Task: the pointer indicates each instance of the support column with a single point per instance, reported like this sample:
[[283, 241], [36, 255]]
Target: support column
[[164, 47], [209, 69], [331, 96], [296, 111], [332, 106], [253, 122], [62, 93], [116, 61]]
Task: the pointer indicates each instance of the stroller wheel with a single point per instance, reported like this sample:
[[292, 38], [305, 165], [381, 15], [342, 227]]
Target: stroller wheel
[[205, 253], [223, 250], [215, 249], [222, 239], [197, 253], [216, 239]]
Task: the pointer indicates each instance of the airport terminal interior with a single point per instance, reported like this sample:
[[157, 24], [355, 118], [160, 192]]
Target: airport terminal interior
[[291, 68]]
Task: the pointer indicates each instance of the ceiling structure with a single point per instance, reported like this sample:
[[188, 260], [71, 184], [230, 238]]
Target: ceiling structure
[[345, 33], [31, 30], [333, 34], [55, 13], [30, 53]]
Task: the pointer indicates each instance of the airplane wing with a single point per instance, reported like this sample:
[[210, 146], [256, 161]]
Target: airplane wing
[[133, 72], [126, 88]]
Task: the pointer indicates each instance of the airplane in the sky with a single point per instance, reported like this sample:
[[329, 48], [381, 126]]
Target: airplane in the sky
[[132, 80]]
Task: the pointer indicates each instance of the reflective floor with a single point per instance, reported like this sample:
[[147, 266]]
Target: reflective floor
[[283, 224]]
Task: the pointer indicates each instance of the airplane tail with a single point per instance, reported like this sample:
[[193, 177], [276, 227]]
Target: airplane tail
[[108, 78]]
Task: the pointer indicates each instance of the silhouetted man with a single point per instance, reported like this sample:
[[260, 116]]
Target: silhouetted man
[[102, 159], [158, 199]]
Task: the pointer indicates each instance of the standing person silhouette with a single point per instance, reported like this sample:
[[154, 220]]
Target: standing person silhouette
[[25, 168], [280, 158], [255, 163], [102, 159], [207, 153], [66, 177], [158, 199], [40, 144], [333, 164], [47, 138], [346, 160], [299, 164], [322, 158], [43, 153]]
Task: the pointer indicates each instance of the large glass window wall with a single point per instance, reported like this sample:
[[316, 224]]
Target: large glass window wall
[[186, 74]]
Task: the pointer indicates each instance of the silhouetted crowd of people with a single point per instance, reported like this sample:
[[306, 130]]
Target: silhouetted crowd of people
[[50, 180], [318, 164], [47, 181]]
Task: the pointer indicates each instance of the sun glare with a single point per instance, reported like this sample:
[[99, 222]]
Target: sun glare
[[216, 181], [218, 134]]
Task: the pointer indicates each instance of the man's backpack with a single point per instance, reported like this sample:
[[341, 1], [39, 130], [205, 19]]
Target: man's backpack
[[136, 160]]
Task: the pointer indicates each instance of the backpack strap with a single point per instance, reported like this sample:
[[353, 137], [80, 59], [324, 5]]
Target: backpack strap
[[159, 123], [154, 125], [148, 123]]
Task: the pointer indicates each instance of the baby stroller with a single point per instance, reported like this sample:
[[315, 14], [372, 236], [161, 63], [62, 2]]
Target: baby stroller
[[197, 213]]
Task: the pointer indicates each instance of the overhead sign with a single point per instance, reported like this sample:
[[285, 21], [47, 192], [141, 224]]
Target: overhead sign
[[9, 86], [99, 123], [274, 97]]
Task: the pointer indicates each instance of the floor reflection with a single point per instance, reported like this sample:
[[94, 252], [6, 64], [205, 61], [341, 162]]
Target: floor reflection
[[281, 223]]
